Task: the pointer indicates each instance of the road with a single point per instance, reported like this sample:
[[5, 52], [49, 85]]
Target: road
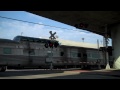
[[56, 74]]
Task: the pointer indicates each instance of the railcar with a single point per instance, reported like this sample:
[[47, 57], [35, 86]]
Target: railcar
[[25, 51]]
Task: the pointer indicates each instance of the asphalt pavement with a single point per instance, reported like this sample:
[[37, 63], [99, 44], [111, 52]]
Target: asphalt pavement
[[60, 74]]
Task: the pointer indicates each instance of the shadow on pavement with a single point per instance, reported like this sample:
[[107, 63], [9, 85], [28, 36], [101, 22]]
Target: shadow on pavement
[[115, 73], [28, 72], [105, 74]]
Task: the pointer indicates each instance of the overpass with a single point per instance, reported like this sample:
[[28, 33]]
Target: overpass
[[106, 23]]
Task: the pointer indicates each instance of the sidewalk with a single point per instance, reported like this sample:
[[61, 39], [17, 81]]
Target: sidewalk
[[111, 72]]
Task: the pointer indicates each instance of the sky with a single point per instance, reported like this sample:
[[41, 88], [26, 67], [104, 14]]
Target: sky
[[40, 27]]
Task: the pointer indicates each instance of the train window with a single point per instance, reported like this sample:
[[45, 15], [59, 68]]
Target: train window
[[42, 41], [74, 54], [61, 53], [25, 52], [95, 55], [7, 51], [36, 40], [84, 55], [16, 39], [31, 40], [79, 54], [24, 39], [89, 55], [31, 52]]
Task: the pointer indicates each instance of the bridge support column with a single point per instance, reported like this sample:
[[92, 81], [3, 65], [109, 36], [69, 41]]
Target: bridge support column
[[115, 34]]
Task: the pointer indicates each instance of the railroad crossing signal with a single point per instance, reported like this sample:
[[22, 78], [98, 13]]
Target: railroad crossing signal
[[52, 37], [52, 43]]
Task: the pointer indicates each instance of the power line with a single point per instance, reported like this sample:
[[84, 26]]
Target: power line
[[33, 22], [43, 24]]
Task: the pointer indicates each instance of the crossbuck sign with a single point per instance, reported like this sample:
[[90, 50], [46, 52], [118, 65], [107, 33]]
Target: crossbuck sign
[[52, 37]]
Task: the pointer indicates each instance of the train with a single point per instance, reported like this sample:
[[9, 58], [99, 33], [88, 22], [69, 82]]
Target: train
[[24, 51]]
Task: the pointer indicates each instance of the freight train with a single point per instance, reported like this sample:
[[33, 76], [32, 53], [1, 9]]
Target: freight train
[[24, 51]]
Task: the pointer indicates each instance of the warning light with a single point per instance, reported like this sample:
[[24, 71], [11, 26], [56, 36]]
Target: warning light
[[50, 44], [56, 44], [46, 45]]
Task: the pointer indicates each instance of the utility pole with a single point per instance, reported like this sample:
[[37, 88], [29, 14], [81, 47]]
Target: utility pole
[[52, 37], [98, 54], [106, 46]]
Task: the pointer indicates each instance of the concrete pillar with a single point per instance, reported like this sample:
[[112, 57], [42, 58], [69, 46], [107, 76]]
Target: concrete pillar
[[115, 34]]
